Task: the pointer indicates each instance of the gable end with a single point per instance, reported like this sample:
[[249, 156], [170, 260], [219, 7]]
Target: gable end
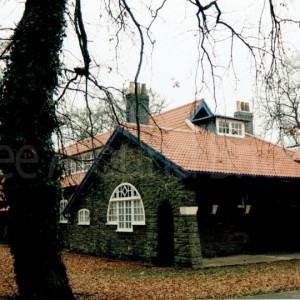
[[202, 111]]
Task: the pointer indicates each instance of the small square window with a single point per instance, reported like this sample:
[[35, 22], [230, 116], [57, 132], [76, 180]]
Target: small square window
[[83, 217], [236, 128], [223, 127]]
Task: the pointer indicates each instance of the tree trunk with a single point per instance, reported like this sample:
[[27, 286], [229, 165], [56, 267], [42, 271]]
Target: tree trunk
[[27, 116]]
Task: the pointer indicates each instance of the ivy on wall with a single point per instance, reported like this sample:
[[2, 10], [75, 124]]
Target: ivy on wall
[[156, 185], [155, 182], [27, 122]]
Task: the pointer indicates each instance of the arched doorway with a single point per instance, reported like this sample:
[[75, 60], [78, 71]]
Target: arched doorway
[[165, 226]]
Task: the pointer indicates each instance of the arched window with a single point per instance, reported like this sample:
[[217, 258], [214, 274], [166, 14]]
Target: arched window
[[125, 208], [62, 205], [83, 217]]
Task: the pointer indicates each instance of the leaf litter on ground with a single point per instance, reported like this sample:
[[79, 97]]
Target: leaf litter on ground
[[97, 278]]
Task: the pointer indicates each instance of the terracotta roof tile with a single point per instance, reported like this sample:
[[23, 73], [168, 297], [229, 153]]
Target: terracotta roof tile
[[209, 153], [175, 118], [199, 151], [81, 147], [86, 145], [72, 180]]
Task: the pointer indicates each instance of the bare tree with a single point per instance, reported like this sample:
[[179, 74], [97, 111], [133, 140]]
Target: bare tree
[[77, 125], [279, 103], [215, 32], [29, 100]]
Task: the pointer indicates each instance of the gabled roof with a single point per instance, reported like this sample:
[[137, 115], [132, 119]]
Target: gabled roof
[[72, 180], [202, 152], [202, 111], [186, 148], [192, 149], [175, 118], [79, 148], [86, 145], [173, 137]]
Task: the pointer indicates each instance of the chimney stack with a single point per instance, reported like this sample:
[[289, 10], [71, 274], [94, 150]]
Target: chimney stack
[[243, 113], [137, 97]]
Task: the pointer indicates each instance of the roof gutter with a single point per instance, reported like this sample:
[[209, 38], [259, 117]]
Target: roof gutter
[[223, 175]]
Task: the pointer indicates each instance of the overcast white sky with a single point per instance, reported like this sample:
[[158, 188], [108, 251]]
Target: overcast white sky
[[174, 56]]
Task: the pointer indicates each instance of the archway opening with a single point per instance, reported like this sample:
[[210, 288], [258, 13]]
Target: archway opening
[[165, 224]]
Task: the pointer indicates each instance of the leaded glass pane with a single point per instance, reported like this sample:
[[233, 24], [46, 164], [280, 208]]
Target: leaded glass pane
[[126, 208]]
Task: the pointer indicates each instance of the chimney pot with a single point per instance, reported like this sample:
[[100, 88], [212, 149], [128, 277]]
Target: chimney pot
[[144, 89], [131, 88], [247, 108], [242, 106], [238, 106], [138, 88]]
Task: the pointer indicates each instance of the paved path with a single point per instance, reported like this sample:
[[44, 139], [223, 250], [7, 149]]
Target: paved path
[[247, 259], [281, 295]]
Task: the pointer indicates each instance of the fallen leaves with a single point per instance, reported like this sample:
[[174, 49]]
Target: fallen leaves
[[8, 285], [96, 278]]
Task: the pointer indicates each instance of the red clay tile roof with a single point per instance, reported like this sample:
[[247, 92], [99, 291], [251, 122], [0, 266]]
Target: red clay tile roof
[[174, 118], [193, 149], [86, 145], [81, 147], [200, 151], [72, 180]]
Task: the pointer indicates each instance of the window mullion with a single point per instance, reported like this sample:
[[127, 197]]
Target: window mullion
[[127, 204]]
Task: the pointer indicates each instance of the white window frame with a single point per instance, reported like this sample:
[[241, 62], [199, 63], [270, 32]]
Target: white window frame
[[80, 163], [223, 127], [83, 217], [125, 208], [62, 204], [235, 128]]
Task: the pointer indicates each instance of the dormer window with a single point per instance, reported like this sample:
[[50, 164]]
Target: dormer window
[[223, 127], [230, 127], [236, 129]]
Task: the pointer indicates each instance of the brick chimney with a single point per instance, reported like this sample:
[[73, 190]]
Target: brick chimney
[[243, 113], [137, 94]]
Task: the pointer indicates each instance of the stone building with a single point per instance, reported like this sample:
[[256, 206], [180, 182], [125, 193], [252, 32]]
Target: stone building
[[184, 185]]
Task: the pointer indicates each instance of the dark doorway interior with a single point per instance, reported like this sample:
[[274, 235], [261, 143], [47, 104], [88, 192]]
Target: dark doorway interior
[[165, 224], [274, 227]]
